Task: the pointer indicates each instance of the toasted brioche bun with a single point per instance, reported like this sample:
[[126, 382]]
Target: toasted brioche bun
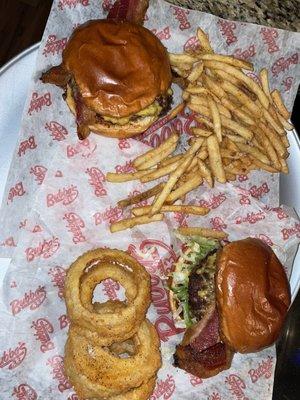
[[119, 67], [252, 293]]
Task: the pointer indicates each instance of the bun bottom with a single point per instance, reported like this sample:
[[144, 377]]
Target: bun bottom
[[113, 130]]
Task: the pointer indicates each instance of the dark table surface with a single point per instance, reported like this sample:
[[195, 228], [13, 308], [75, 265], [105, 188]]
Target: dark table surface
[[22, 23]]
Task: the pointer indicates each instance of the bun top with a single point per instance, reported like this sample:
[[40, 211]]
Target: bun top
[[252, 293], [120, 67]]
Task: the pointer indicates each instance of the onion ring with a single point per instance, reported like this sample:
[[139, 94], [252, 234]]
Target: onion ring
[[107, 324], [101, 366], [91, 390]]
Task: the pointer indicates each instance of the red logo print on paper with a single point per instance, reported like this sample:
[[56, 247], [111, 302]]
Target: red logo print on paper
[[148, 254], [128, 167], [39, 172], [58, 276], [56, 364], [263, 370], [57, 131], [242, 178], [269, 36], [9, 242], [252, 218], [31, 300], [287, 83], [284, 64], [164, 388], [181, 16], [63, 321], [72, 3], [26, 145], [38, 102], [214, 202], [253, 76], [84, 147], [164, 324], [24, 392], [227, 29], [75, 224], [111, 288], [265, 239], [54, 45], [192, 44], [73, 397], [107, 5], [218, 224], [214, 396], [195, 380], [44, 249], [13, 357], [97, 178], [289, 232], [124, 144], [163, 34], [245, 54], [111, 215], [181, 219], [43, 328], [259, 191], [236, 386], [65, 196], [15, 191], [280, 213]]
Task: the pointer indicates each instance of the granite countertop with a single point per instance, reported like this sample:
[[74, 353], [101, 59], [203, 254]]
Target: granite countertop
[[284, 14]]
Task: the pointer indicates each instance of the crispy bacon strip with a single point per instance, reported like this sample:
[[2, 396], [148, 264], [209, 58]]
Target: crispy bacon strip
[[57, 75], [129, 10]]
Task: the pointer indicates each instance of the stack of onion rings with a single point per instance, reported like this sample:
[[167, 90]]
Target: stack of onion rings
[[112, 351]]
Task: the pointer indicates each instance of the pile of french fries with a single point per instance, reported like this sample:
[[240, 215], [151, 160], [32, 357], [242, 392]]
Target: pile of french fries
[[240, 126]]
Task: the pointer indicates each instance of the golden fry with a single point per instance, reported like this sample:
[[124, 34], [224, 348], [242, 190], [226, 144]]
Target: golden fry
[[131, 222], [236, 127], [277, 99], [272, 122], [205, 172], [206, 232], [275, 139], [265, 82], [235, 62], [176, 59], [204, 41], [170, 160], [215, 118], [254, 152], [185, 188], [131, 176], [264, 166], [153, 156], [196, 72], [285, 123], [159, 172], [214, 87], [215, 160], [174, 176], [201, 132], [186, 209], [241, 115], [141, 196]]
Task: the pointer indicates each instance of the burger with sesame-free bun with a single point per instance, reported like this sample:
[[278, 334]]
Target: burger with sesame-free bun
[[231, 298], [116, 78]]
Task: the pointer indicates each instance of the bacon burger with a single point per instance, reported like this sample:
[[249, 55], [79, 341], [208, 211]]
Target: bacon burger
[[230, 299], [116, 78]]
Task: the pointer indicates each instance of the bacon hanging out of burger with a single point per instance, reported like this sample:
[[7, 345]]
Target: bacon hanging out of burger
[[230, 299], [115, 74]]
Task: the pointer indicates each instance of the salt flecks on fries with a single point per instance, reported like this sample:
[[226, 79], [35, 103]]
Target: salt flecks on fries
[[240, 126]]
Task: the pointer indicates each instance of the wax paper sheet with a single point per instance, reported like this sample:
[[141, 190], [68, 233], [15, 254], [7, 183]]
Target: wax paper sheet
[[58, 204]]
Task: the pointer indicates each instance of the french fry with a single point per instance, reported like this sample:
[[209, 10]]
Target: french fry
[[201, 132], [196, 99], [179, 71], [264, 166], [285, 123], [154, 156], [273, 113], [230, 177], [170, 160], [241, 97], [196, 72], [186, 209], [284, 166], [174, 176], [275, 139], [120, 177], [215, 160], [235, 168], [175, 111], [276, 97], [267, 145], [265, 82], [205, 172], [232, 154], [185, 188], [236, 127], [236, 138], [176, 59], [141, 196], [272, 122], [203, 154], [254, 87], [226, 77], [254, 152], [214, 87], [197, 90], [227, 60], [241, 115], [215, 115], [205, 232], [204, 41], [204, 121], [159, 172], [131, 222]]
